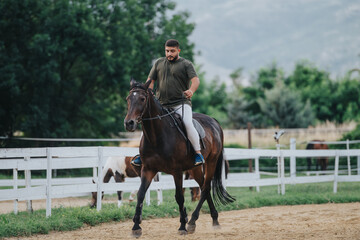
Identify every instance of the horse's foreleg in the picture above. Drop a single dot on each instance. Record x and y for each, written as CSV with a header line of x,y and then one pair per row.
x,y
179,196
146,177
317,164
309,164
119,193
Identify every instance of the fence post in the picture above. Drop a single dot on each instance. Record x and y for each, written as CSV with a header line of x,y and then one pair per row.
x,y
100,178
348,157
15,177
159,191
277,136
282,173
257,172
358,165
336,171
293,159
147,197
48,181
28,185
278,168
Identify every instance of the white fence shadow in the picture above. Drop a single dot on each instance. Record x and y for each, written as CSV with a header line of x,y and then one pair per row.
x,y
29,159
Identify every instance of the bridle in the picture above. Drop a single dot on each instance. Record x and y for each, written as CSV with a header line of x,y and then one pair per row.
x,y
140,119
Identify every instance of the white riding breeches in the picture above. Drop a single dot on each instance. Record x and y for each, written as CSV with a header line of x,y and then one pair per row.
x,y
190,129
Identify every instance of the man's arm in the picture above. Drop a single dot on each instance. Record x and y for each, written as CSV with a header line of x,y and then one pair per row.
x,y
151,86
195,82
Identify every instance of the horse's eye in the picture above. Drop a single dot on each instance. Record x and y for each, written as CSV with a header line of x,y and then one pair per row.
x,y
143,99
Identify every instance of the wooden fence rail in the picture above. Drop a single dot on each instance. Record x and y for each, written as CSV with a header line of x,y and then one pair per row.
x,y
48,159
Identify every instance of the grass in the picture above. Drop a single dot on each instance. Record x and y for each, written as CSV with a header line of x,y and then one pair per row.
x,y
67,219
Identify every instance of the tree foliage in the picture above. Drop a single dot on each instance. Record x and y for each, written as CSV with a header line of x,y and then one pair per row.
x,y
283,107
65,65
211,98
297,100
314,85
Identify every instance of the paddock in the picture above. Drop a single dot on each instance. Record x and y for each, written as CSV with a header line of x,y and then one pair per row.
x,y
324,221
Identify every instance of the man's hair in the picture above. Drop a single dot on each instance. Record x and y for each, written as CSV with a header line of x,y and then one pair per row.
x,y
172,43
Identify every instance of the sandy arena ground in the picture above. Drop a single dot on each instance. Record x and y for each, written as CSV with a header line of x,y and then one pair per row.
x,y
325,221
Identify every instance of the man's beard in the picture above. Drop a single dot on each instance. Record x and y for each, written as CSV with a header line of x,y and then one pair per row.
x,y
174,59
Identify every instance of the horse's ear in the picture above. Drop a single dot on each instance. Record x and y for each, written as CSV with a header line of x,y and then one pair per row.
x,y
132,82
147,84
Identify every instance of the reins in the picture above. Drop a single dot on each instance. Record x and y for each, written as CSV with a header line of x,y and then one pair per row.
x,y
159,117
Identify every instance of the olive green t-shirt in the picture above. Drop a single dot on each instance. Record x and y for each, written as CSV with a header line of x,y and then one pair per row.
x,y
172,78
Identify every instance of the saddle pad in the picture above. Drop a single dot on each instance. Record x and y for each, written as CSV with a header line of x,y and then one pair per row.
x,y
199,128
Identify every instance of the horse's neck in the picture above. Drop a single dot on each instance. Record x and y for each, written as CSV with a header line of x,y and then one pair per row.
x,y
154,129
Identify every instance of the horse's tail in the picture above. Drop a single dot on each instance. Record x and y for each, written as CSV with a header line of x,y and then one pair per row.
x,y
220,195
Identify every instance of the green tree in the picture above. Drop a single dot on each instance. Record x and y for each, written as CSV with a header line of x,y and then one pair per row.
x,y
239,114
316,86
211,98
65,65
284,108
346,103
353,135
244,106
236,77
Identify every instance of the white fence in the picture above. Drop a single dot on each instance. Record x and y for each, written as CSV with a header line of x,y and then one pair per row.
x,y
28,159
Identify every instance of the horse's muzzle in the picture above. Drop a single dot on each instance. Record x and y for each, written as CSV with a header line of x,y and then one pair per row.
x,y
130,125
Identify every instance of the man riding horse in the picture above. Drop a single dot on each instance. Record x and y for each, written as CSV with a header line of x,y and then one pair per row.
x,y
173,75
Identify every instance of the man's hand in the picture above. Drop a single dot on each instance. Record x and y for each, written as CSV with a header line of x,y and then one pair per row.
x,y
188,93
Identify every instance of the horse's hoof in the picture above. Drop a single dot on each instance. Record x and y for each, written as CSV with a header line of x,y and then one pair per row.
x,y
182,232
137,233
191,228
216,226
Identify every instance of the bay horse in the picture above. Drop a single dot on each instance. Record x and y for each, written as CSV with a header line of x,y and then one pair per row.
x,y
119,168
163,148
320,161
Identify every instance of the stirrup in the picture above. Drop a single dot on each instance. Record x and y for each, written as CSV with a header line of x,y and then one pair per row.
x,y
199,159
134,163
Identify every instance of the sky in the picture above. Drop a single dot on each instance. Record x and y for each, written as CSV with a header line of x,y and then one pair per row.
x,y
253,34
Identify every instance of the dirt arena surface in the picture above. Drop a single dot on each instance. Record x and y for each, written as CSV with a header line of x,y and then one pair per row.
x,y
325,221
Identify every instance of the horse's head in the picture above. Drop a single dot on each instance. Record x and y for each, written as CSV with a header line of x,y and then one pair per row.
x,y
137,101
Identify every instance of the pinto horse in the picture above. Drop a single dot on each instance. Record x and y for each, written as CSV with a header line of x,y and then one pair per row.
x,y
119,168
163,148
322,161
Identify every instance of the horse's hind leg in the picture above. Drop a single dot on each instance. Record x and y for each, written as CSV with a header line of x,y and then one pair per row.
x,y
107,174
179,195
213,212
119,178
195,215
205,192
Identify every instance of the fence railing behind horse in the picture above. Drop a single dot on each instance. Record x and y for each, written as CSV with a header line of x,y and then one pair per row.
x,y
94,157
